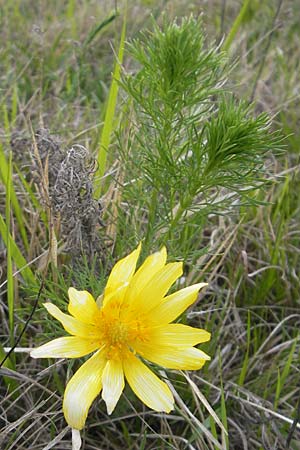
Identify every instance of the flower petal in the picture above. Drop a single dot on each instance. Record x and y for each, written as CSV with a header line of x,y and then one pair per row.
x,y
146,385
113,383
82,389
180,358
121,274
146,272
83,306
70,324
175,304
156,288
65,347
177,335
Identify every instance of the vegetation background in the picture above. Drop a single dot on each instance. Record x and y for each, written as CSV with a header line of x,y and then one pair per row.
x,y
58,112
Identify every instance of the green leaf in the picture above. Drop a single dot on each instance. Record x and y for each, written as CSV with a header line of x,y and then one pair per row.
x,y
16,254
93,33
14,199
109,116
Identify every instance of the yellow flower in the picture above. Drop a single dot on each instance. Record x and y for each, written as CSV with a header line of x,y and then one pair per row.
x,y
133,322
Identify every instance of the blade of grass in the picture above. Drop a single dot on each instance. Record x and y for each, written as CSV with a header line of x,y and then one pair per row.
x,y
16,254
225,439
93,33
35,203
213,428
5,119
236,25
204,401
10,280
283,375
10,363
14,200
11,383
246,359
281,212
71,17
14,104
109,115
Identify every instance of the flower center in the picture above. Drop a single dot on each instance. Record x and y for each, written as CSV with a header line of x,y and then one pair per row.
x,y
116,333
118,336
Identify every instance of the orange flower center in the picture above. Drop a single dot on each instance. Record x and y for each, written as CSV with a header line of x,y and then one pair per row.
x,y
118,335
115,333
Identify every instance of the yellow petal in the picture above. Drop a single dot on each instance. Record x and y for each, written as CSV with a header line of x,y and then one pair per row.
x,y
177,335
121,274
113,383
70,324
146,385
146,272
180,358
82,389
83,306
175,304
156,288
113,301
65,347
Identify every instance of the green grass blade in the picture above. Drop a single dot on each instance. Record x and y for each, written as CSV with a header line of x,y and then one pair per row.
x,y
236,25
278,389
16,254
246,359
71,16
96,30
213,428
14,200
5,118
10,280
284,374
225,439
14,105
34,201
109,115
10,382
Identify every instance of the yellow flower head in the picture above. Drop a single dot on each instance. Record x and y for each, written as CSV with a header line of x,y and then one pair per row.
x,y
133,322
